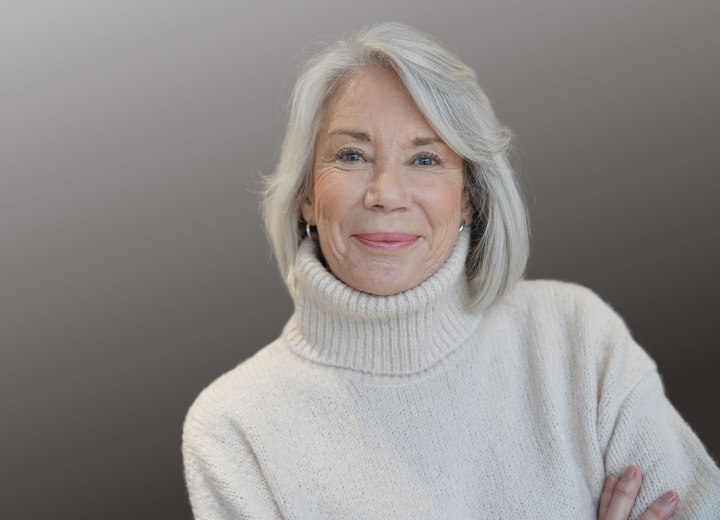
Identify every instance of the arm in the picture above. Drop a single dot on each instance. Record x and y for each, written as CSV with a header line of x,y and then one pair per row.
x,y
638,425
223,476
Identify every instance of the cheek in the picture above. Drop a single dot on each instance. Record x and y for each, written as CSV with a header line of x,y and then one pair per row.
x,y
335,197
443,203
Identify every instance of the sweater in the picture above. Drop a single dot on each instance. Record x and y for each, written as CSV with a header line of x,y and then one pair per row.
x,y
416,406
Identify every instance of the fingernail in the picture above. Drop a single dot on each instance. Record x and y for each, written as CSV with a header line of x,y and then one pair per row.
x,y
670,497
630,473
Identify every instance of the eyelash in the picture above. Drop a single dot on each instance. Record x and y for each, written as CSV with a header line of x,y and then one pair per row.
x,y
348,151
352,151
428,155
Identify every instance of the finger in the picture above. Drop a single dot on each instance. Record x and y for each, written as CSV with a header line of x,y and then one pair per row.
x,y
662,508
606,495
624,494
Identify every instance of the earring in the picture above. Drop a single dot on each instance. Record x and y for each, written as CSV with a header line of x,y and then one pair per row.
x,y
307,230
462,226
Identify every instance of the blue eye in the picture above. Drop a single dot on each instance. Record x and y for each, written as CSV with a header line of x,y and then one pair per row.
x,y
351,157
428,160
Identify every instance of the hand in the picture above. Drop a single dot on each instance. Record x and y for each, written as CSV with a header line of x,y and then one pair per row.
x,y
618,497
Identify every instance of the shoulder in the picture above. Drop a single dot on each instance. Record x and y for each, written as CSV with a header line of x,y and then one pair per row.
x,y
576,319
566,304
565,307
222,405
561,295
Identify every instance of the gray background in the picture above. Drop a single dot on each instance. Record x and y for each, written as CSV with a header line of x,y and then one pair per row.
x,y
133,266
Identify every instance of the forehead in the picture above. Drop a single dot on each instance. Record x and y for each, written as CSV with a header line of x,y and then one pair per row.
x,y
375,100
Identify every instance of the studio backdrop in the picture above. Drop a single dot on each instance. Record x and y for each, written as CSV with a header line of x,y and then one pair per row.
x,y
133,264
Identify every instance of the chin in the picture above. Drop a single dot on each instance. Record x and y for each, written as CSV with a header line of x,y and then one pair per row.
x,y
384,285
382,291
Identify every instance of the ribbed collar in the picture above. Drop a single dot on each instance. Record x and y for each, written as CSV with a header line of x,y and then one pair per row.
x,y
336,325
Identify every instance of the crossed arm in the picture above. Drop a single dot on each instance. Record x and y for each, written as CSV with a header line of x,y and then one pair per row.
x,y
618,498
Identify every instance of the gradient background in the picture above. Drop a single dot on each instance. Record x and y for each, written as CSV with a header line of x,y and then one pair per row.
x,y
133,265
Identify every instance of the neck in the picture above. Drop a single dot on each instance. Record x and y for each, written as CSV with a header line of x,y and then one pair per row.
x,y
404,333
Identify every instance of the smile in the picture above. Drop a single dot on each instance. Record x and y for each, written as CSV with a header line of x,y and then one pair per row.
x,y
387,241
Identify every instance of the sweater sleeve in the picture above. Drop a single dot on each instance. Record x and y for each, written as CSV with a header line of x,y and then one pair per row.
x,y
638,425
222,473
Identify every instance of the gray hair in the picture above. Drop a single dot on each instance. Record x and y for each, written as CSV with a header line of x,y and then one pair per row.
x,y
447,92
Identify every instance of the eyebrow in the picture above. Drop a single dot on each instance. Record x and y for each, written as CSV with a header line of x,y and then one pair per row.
x,y
365,137
421,141
360,136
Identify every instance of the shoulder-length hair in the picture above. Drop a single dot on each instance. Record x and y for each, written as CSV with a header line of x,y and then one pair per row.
x,y
447,92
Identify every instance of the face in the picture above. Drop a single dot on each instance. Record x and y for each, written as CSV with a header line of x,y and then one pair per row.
x,y
387,194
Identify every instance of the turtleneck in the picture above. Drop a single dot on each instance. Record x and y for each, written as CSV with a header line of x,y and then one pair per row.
x,y
401,334
546,387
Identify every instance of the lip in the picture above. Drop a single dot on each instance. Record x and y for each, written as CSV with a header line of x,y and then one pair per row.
x,y
387,241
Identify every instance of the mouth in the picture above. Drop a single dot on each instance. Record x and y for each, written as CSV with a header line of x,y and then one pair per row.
x,y
387,241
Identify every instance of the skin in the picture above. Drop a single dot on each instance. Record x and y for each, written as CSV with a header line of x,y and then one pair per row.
x,y
380,167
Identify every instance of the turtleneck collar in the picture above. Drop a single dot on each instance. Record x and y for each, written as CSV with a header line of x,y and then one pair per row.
x,y
401,334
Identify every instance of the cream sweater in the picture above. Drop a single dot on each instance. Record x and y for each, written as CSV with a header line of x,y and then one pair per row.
x,y
413,407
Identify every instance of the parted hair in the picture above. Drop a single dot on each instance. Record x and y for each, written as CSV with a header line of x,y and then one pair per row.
x,y
447,93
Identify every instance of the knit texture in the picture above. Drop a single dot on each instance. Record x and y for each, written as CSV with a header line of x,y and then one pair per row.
x,y
413,406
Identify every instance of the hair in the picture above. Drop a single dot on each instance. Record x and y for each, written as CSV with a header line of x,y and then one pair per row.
x,y
447,92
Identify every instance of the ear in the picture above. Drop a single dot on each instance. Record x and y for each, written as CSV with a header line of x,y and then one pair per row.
x,y
308,211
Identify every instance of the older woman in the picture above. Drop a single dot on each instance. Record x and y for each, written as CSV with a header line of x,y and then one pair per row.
x,y
420,376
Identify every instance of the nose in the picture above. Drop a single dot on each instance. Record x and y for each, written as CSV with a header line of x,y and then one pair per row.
x,y
388,190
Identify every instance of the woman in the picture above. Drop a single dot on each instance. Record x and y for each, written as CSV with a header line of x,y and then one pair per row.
x,y
420,376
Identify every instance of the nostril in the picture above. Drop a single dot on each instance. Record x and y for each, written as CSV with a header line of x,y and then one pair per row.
x,y
388,194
